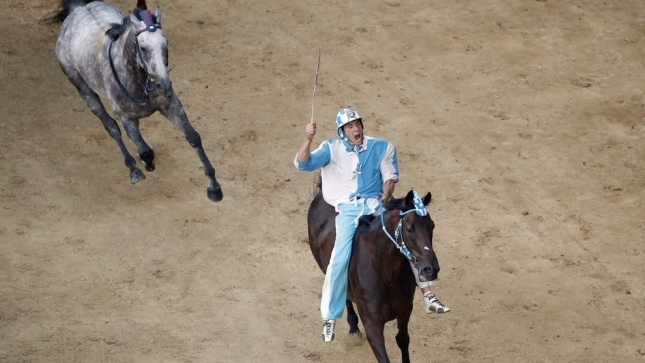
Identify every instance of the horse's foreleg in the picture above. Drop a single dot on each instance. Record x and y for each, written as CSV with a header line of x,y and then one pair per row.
x,y
403,337
176,114
94,103
146,154
374,332
352,319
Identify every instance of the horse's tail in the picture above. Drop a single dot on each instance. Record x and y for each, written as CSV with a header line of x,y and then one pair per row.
x,y
317,186
66,7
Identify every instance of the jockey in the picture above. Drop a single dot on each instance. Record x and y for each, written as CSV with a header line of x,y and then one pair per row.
x,y
356,171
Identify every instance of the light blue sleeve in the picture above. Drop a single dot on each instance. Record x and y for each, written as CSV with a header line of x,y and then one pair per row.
x,y
317,159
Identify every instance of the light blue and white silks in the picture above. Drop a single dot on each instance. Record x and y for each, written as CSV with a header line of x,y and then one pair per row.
x,y
348,173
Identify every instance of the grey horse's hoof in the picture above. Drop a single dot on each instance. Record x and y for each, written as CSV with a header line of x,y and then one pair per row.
x,y
214,192
147,158
136,176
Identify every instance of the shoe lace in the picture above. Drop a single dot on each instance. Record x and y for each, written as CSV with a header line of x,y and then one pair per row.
x,y
327,324
433,299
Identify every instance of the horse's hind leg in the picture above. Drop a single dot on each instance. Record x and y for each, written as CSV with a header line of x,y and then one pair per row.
x,y
176,114
403,337
94,103
355,334
146,154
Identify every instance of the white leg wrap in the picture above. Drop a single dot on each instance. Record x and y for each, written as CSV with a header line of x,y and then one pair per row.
x,y
421,285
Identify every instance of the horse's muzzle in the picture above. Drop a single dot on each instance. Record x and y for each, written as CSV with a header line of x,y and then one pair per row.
x,y
428,273
164,88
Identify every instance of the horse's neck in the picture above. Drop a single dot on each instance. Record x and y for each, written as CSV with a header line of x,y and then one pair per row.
x,y
383,247
128,65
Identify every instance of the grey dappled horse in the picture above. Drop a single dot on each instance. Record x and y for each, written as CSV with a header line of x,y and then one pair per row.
x,y
124,60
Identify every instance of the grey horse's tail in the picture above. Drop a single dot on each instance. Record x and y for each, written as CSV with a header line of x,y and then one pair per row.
x,y
64,10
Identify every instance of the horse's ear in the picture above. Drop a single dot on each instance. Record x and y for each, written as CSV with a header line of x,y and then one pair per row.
x,y
158,16
427,199
141,4
409,199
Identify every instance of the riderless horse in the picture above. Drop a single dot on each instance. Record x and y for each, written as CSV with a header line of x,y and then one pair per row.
x,y
124,60
381,282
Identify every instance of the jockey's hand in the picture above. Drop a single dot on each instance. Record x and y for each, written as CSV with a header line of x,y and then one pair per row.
x,y
310,131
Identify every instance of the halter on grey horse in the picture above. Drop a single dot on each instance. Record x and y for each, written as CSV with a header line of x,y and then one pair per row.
x,y
124,61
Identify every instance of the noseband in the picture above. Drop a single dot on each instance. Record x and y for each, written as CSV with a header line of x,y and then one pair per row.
x,y
150,27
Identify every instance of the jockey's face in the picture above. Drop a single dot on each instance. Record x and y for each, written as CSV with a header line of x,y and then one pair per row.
x,y
354,131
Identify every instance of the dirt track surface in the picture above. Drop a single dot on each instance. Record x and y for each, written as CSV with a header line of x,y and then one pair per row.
x,y
525,120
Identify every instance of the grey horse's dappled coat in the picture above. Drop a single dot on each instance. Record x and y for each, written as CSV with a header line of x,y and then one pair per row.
x,y
124,59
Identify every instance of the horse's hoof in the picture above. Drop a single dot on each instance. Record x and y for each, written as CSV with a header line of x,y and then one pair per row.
x,y
147,158
356,339
215,195
136,176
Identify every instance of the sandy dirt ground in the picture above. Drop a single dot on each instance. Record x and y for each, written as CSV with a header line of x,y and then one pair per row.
x,y
525,119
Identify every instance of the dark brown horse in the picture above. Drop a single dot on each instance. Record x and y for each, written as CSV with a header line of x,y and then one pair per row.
x,y
381,282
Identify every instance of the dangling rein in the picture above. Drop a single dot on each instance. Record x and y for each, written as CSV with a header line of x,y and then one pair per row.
x,y
151,27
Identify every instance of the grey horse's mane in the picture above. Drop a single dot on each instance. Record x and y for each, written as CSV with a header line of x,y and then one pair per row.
x,y
116,30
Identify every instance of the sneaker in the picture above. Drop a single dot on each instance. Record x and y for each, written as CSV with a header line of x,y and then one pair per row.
x,y
328,330
433,305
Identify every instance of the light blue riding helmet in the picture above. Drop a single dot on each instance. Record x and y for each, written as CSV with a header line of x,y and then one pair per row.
x,y
345,116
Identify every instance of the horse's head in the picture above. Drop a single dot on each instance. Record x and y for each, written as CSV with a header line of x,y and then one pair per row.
x,y
416,229
152,48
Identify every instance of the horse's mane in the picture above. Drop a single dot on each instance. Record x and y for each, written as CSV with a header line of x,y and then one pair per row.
x,y
116,30
397,203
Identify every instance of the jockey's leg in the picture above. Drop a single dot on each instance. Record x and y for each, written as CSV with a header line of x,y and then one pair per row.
x,y
334,291
432,304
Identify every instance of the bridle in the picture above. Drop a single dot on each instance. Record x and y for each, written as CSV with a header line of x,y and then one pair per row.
x,y
150,27
401,247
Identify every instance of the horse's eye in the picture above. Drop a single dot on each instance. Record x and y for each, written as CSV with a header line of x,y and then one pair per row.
x,y
409,228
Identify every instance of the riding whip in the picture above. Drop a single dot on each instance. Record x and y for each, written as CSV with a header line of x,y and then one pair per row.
x,y
313,102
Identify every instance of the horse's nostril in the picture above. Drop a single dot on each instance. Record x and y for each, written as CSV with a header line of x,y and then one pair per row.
x,y
427,271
